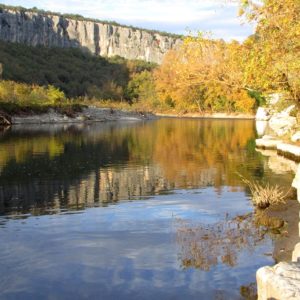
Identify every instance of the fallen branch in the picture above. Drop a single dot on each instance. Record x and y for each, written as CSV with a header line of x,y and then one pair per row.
x,y
5,119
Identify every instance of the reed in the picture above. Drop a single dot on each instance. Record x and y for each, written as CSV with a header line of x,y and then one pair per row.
x,y
264,195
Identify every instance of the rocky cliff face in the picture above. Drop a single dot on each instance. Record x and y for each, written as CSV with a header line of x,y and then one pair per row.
x,y
33,28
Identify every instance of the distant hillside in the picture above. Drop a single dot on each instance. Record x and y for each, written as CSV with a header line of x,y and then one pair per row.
x,y
74,72
35,27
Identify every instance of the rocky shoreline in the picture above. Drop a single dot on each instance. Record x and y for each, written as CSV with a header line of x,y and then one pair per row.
x,y
281,135
95,114
88,114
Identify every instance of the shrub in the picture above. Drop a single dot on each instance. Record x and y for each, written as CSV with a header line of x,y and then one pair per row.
x,y
16,97
259,98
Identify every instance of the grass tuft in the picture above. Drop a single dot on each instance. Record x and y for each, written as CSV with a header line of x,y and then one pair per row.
x,y
265,195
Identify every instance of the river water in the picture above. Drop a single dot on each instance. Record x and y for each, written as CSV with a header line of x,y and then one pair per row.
x,y
152,210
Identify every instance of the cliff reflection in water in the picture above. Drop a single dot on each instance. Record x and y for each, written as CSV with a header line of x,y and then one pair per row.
x,y
78,166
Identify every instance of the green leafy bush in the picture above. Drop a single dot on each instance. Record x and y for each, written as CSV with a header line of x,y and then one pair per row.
x,y
258,96
21,97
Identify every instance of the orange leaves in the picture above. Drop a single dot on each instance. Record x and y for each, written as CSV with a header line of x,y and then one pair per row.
x,y
204,75
211,75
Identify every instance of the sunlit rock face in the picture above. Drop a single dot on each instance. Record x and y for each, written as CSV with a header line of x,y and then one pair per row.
x,y
279,282
282,281
296,137
32,28
261,127
283,123
296,253
262,114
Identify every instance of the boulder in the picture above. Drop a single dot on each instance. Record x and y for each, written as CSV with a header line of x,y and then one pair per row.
x,y
296,183
268,137
282,124
287,112
266,143
261,127
281,165
280,282
274,98
262,114
296,253
296,137
289,151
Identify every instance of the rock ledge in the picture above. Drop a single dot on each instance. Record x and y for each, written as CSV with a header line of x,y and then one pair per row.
x,y
280,282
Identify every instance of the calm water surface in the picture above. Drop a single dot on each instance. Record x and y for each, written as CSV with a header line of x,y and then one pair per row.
x,y
151,210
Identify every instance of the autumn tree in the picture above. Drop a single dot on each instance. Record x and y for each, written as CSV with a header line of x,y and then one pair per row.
x,y
274,50
205,74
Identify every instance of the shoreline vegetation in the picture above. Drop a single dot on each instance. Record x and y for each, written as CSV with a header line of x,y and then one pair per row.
x,y
203,77
22,103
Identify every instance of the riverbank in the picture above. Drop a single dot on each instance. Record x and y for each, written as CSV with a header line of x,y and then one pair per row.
x,y
208,115
86,114
281,136
282,281
98,114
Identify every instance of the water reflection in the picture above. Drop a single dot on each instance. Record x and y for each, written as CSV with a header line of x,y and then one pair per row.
x,y
65,233
205,246
81,166
128,251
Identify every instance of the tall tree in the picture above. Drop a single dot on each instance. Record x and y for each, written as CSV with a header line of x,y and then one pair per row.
x,y
274,49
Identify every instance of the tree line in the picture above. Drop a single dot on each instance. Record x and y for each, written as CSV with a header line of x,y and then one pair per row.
x,y
212,75
203,75
74,72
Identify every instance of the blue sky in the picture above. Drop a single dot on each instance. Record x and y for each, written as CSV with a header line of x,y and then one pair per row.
x,y
217,16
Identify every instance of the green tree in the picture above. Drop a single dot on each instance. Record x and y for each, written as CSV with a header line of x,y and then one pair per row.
x,y
142,88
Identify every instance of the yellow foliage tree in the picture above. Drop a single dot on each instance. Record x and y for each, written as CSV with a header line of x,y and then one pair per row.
x,y
273,52
205,74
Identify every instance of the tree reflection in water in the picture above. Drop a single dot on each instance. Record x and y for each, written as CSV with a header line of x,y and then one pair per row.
x,y
204,246
52,168
85,165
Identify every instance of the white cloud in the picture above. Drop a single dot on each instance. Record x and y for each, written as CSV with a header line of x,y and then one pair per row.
x,y
169,15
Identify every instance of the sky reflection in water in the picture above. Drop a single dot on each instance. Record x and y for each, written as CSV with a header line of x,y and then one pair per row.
x,y
68,230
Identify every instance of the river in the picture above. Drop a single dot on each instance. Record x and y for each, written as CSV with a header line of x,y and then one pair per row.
x,y
132,210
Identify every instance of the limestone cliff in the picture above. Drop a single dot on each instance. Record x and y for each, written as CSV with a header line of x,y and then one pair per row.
x,y
50,30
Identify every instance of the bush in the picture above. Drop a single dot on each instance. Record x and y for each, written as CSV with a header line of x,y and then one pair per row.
x,y
16,97
260,100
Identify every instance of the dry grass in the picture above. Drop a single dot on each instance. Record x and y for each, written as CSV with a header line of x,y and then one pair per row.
x,y
264,195
204,246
